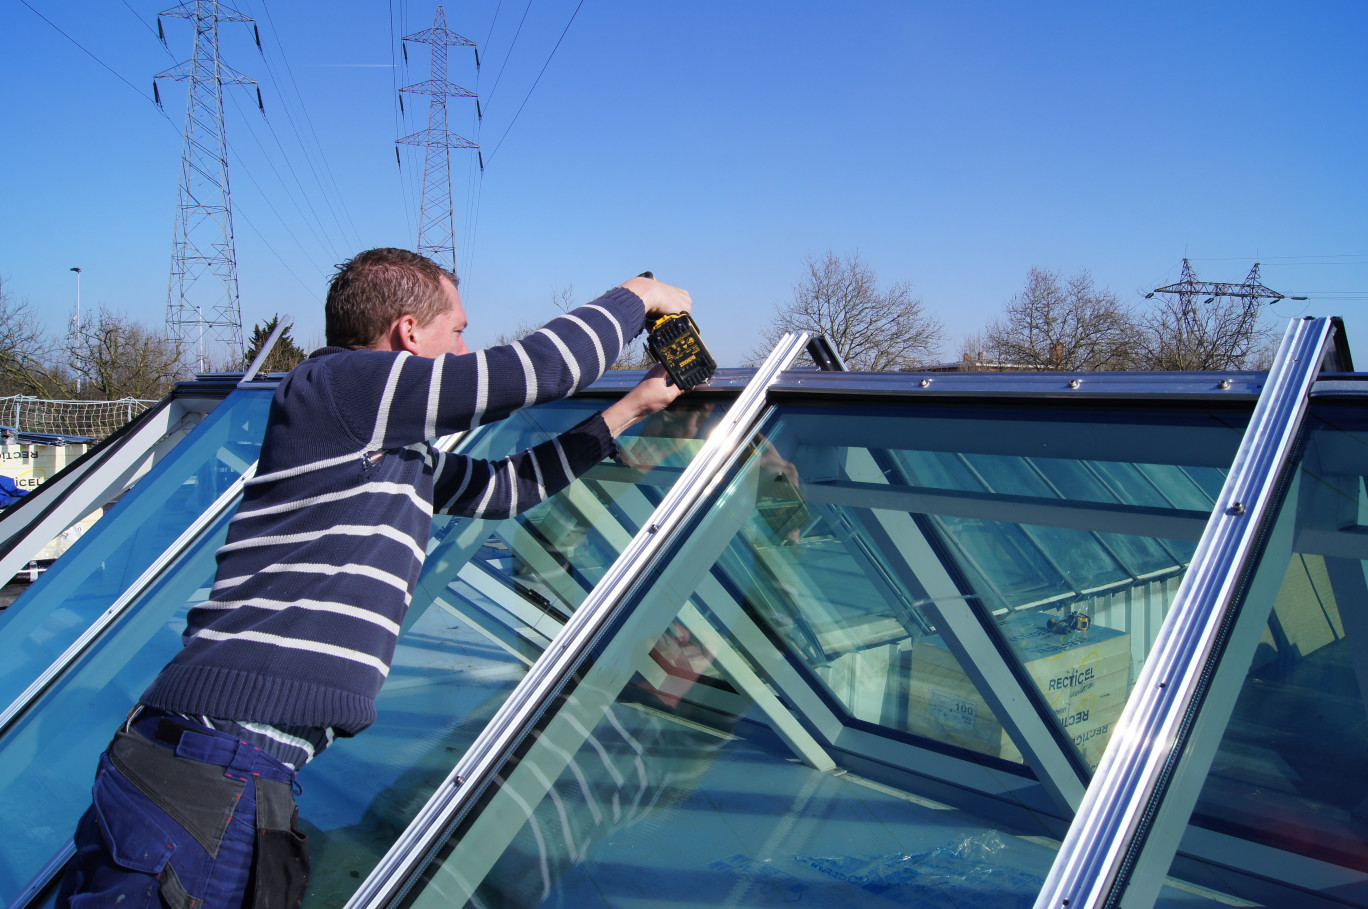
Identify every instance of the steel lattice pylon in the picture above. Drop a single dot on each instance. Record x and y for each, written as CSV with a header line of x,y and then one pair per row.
x,y
436,220
1252,290
1218,332
202,303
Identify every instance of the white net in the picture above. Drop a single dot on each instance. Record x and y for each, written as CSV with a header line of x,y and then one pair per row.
x,y
95,419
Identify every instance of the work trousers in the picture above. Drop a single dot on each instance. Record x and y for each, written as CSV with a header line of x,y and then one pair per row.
x,y
187,817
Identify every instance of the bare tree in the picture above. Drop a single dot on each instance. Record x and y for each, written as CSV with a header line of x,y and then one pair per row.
x,y
26,351
564,298
116,357
1055,323
634,355
871,329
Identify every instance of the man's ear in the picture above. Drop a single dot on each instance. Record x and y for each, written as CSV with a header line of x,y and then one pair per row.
x,y
404,334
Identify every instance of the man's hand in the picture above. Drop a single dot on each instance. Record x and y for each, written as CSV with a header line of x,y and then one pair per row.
x,y
660,298
652,394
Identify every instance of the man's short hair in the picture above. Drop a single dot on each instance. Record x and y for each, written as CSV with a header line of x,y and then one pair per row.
x,y
374,288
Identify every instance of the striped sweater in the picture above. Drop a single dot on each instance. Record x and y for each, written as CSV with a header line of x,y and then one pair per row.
x,y
323,554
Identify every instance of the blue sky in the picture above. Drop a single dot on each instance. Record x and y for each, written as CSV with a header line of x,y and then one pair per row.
x,y
953,145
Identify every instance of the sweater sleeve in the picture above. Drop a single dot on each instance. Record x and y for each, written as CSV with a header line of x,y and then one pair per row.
x,y
420,398
497,489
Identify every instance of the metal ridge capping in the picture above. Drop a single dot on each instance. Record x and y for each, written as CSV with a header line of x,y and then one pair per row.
x,y
411,850
1119,803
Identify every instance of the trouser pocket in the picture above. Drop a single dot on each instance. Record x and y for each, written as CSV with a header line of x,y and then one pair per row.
x,y
121,848
198,801
197,796
281,866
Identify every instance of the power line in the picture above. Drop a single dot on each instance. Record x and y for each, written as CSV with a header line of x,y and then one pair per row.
x,y
317,145
1362,257
322,239
512,44
137,15
492,22
92,56
267,243
536,82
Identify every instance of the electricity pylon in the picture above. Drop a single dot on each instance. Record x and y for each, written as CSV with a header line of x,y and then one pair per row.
x,y
202,302
436,220
1252,291
1217,333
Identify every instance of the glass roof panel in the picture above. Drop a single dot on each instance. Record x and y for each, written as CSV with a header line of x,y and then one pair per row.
x,y
1026,539
1282,815
491,595
645,778
48,757
825,576
42,623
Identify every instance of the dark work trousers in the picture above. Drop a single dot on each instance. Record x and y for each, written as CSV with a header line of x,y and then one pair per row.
x,y
187,817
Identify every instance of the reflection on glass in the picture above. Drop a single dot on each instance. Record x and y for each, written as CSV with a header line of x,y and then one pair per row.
x,y
1291,770
1065,534
491,595
48,758
677,760
40,625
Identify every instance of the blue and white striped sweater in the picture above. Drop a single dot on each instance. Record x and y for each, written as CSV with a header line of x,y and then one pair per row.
x,y
326,547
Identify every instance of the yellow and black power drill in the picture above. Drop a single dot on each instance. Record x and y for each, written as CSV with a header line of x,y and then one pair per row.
x,y
674,342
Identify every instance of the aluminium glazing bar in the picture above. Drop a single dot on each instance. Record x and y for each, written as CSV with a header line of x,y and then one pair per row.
x,y
1118,810
504,730
265,351
45,876
135,590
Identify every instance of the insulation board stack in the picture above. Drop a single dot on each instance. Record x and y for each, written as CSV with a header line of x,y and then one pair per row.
x,y
1084,675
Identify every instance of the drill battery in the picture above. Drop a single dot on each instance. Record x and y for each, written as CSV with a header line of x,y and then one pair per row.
x,y
675,343
1074,621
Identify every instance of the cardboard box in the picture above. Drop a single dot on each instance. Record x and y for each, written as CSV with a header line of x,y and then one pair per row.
x,y
30,464
1084,676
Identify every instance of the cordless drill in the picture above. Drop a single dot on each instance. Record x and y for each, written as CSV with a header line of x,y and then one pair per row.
x,y
674,342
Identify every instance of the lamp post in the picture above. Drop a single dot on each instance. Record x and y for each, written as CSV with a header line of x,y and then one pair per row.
x,y
76,320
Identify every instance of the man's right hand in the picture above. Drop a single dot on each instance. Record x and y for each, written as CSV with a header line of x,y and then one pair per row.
x,y
661,299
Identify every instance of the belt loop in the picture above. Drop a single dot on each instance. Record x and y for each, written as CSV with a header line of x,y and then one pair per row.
x,y
132,715
244,758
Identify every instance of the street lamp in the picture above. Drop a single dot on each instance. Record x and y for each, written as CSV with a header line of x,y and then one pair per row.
x,y
78,295
76,320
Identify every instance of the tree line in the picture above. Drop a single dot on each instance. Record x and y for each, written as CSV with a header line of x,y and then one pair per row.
x,y
1055,322
104,355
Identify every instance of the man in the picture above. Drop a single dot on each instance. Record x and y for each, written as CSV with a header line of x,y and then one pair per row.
x,y
192,802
